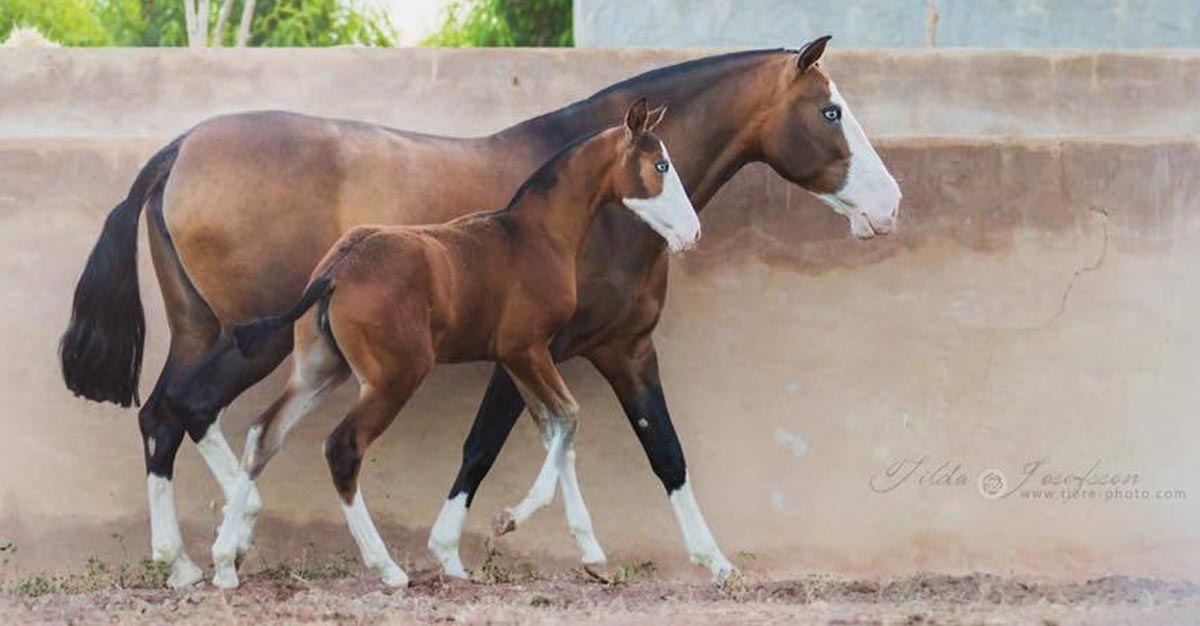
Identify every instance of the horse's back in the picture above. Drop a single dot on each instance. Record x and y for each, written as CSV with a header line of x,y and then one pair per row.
x,y
256,199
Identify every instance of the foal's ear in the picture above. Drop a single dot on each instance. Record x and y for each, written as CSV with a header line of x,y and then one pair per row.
x,y
635,118
811,53
656,118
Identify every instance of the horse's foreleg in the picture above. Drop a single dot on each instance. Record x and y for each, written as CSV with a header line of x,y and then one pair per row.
x,y
632,371
502,405
554,410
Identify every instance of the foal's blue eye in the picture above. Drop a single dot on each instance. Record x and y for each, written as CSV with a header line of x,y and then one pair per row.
x,y
832,113
662,167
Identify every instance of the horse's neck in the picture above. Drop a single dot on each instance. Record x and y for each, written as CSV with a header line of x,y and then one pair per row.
x,y
707,129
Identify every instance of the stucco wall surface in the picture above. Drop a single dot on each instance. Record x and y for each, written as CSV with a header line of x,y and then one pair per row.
x,y
838,400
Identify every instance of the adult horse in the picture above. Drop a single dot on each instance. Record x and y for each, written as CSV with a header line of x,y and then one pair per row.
x,y
391,301
255,195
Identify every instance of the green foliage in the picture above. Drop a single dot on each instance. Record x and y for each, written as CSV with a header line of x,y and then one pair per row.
x,y
310,23
68,22
493,23
298,23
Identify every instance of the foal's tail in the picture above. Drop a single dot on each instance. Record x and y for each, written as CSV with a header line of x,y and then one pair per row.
x,y
252,336
101,350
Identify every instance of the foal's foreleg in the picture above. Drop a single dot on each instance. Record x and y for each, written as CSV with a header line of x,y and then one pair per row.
x,y
554,410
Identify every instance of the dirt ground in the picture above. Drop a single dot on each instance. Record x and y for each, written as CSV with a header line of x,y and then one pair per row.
x,y
644,598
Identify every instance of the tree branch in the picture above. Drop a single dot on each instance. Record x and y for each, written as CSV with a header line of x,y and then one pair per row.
x,y
222,22
189,20
244,25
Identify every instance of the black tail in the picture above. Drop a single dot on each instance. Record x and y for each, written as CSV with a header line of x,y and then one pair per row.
x,y
252,336
101,351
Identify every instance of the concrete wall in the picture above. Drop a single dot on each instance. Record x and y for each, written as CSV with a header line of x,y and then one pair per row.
x,y
889,23
1038,305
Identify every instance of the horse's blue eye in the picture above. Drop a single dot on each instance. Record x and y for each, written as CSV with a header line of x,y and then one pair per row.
x,y
662,167
832,112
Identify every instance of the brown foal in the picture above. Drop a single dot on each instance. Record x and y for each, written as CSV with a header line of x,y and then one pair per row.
x,y
391,301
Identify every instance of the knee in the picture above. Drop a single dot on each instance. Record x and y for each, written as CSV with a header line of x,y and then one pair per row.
x,y
344,459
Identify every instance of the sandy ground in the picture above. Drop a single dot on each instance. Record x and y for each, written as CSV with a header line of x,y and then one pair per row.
x,y
574,598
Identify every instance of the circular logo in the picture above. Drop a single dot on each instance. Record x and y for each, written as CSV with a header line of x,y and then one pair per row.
x,y
992,484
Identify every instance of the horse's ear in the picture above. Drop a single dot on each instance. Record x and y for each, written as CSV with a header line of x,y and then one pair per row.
x,y
656,118
635,118
811,53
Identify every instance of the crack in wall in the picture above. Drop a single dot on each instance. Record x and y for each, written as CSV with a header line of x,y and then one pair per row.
x,y
1080,271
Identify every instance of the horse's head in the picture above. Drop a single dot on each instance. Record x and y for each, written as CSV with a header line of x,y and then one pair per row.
x,y
647,183
811,138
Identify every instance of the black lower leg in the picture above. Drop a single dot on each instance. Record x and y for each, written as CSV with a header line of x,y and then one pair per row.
x,y
161,435
344,458
200,394
502,405
647,413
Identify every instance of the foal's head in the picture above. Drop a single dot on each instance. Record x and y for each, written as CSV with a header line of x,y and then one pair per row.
x,y
647,183
812,139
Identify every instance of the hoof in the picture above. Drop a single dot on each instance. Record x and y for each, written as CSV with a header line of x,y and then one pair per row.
x,y
598,572
394,577
184,574
729,579
503,523
455,570
225,577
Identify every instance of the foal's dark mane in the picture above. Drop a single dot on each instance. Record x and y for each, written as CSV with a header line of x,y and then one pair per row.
x,y
547,173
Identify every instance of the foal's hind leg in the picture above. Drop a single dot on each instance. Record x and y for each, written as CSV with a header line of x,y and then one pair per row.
x,y
554,410
317,369
380,399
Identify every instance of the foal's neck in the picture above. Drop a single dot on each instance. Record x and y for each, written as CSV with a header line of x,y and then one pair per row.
x,y
558,204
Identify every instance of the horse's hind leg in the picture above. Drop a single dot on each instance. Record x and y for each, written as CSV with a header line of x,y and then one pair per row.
x,y
554,410
162,432
205,390
380,399
193,331
318,369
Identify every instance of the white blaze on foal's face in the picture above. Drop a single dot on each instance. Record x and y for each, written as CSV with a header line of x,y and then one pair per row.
x,y
869,197
670,212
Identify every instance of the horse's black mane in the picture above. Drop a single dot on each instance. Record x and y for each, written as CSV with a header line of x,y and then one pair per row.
x,y
681,68
562,125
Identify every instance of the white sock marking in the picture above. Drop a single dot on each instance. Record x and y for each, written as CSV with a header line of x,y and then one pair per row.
x,y
701,547
166,542
446,533
541,494
579,521
370,544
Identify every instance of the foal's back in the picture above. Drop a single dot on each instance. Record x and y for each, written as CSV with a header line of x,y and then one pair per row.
x,y
471,282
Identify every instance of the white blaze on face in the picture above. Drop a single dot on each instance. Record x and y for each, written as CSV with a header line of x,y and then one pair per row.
x,y
870,197
670,213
